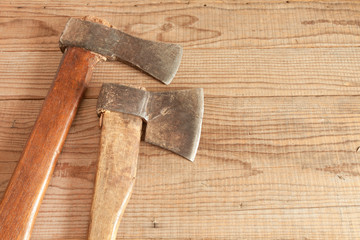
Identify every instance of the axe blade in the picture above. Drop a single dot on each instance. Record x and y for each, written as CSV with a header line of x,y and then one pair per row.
x,y
158,59
173,119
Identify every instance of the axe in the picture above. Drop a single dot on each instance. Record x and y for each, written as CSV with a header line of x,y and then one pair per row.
x,y
172,121
84,43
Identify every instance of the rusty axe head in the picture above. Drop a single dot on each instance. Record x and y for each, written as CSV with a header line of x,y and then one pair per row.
x,y
173,119
160,60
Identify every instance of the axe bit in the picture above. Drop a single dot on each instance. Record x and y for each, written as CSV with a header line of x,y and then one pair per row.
x,y
84,43
173,121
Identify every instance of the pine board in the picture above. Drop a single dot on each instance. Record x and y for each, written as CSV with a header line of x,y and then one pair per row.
x,y
222,72
277,164
278,156
35,25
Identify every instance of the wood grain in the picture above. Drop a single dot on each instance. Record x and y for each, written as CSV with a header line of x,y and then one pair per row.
x,y
36,25
278,157
26,189
231,73
278,163
115,174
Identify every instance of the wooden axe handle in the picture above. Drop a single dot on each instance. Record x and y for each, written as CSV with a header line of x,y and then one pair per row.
x,y
115,177
31,177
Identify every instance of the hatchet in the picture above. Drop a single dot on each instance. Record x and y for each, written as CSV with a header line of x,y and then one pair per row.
x,y
172,121
84,43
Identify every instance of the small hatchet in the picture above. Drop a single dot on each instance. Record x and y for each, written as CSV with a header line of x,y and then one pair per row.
x,y
172,121
84,43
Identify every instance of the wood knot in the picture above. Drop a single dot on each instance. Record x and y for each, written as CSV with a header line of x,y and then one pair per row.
x,y
167,27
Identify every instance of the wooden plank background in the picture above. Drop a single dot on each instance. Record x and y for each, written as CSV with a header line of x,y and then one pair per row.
x,y
278,156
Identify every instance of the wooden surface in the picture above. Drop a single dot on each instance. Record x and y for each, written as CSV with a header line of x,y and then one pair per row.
x,y
116,173
278,157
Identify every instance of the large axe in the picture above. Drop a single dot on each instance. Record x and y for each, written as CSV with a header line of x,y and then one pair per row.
x,y
172,121
84,43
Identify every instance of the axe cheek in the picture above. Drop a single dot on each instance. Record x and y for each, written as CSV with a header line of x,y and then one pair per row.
x,y
173,119
158,59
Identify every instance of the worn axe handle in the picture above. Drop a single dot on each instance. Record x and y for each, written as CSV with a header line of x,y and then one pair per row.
x,y
116,172
31,177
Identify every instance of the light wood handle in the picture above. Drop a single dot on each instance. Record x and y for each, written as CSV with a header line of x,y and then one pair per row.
x,y
115,177
31,177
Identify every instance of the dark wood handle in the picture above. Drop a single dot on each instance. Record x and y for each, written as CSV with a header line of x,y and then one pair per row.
x,y
115,177
31,177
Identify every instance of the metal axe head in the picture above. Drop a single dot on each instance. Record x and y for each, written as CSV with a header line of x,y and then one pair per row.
x,y
173,119
160,60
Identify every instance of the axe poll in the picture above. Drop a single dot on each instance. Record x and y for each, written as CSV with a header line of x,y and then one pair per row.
x,y
84,42
172,121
